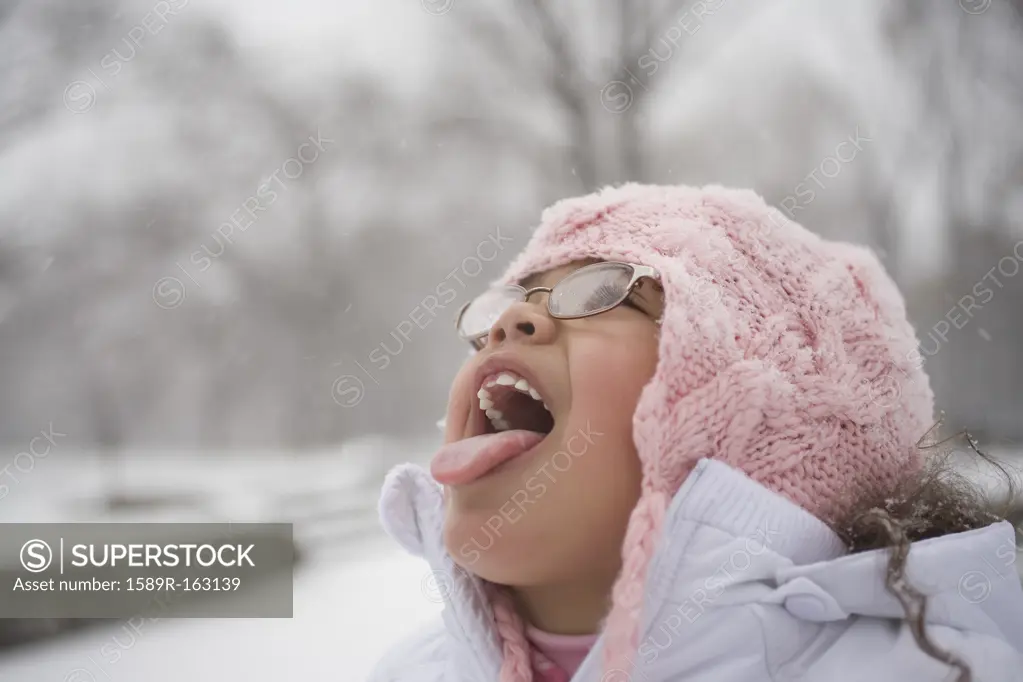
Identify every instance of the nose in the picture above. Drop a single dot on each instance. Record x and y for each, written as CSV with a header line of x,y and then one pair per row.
x,y
523,322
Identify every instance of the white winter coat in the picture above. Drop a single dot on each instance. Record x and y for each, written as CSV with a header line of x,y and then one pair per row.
x,y
744,587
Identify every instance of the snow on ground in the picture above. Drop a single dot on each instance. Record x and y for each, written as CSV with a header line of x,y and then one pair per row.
x,y
346,616
355,593
235,485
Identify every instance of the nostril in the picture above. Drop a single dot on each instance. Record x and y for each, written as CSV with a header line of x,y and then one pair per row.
x,y
526,328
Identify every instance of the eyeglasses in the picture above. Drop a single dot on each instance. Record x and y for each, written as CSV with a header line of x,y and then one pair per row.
x,y
590,290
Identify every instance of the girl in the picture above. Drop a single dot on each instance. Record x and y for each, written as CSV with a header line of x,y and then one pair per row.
x,y
688,446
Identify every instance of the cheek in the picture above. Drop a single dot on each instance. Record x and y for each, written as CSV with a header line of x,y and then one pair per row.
x,y
607,380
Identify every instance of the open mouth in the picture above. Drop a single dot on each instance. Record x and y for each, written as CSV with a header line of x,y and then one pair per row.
x,y
507,402
508,419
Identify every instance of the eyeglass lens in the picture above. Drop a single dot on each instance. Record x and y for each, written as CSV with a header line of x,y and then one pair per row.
x,y
586,291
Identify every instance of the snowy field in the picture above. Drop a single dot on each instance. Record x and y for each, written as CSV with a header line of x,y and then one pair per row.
x,y
345,617
354,593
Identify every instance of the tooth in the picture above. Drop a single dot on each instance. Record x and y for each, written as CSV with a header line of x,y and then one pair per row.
x,y
494,414
506,380
492,382
522,385
483,394
534,394
503,425
486,404
546,408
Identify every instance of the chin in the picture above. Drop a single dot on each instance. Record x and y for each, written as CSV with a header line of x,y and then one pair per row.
x,y
499,552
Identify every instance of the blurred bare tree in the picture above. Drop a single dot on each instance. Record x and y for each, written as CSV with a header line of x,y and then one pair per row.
x,y
966,144
543,53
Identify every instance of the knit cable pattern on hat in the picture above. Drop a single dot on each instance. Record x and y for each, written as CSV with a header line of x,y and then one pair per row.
x,y
787,356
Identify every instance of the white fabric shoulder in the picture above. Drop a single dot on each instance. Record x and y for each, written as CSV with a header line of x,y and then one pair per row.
x,y
420,657
767,593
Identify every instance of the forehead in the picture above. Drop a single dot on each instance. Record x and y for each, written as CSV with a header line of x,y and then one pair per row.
x,y
549,278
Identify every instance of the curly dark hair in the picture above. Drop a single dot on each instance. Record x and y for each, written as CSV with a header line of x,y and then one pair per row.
x,y
938,501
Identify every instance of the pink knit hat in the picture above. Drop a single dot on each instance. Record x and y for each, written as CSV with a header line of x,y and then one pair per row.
x,y
784,355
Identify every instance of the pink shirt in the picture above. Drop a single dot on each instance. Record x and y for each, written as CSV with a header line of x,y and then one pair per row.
x,y
557,657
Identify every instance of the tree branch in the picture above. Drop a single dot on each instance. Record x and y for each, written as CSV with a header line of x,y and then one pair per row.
x,y
561,80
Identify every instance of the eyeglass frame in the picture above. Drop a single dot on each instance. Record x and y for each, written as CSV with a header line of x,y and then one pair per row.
x,y
639,273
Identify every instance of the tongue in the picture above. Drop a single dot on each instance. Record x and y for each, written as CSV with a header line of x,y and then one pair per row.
x,y
464,461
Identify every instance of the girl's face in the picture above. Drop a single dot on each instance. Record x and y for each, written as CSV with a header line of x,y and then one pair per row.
x,y
557,513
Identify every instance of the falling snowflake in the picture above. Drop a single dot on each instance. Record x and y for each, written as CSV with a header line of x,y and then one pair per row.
x,y
983,333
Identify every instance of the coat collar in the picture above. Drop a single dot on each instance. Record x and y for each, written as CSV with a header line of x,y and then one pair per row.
x,y
412,512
